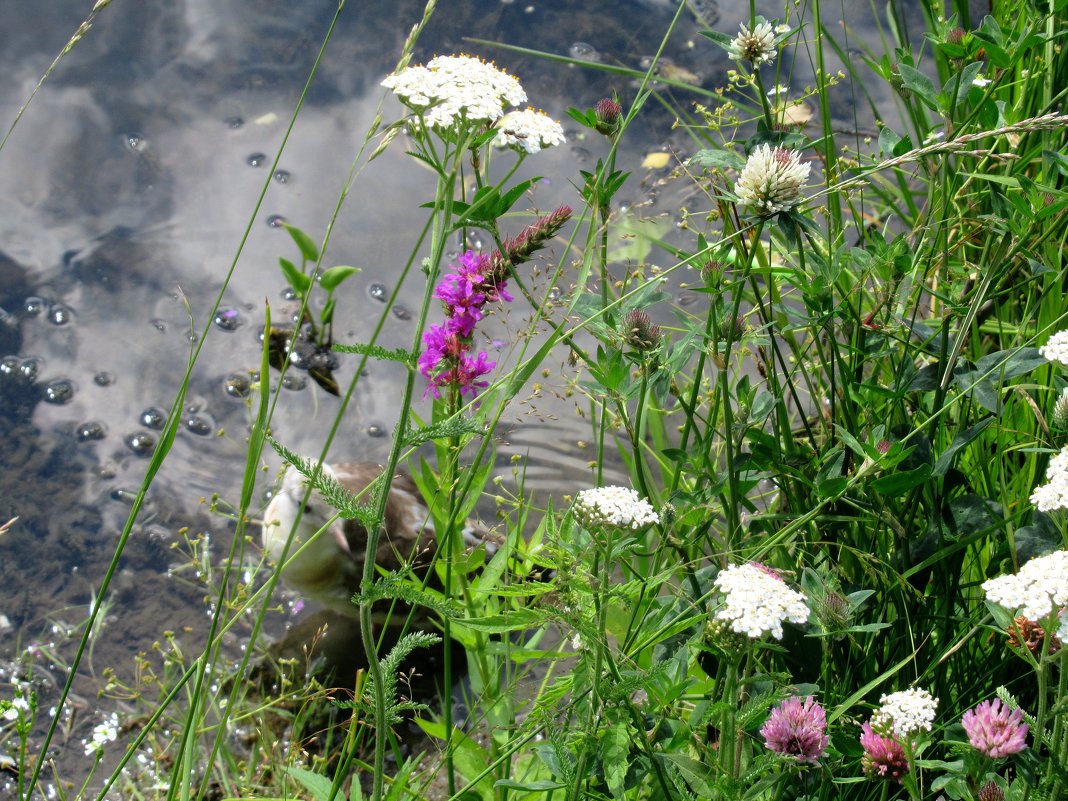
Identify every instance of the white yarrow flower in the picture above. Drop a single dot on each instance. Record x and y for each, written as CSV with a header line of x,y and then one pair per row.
x,y
905,713
453,90
528,131
756,602
755,45
1037,590
1054,493
772,179
614,506
1056,349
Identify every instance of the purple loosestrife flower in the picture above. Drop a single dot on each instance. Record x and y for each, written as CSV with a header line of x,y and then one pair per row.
x,y
995,730
884,757
797,729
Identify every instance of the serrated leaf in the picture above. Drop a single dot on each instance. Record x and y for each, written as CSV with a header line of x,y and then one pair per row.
x,y
615,752
332,278
304,243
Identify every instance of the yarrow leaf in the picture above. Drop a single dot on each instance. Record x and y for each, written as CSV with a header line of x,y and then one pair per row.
x,y
377,352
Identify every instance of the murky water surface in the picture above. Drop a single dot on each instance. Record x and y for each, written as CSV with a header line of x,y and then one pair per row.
x,y
125,192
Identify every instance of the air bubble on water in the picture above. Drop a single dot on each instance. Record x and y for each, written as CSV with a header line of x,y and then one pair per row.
x,y
282,176
158,324
237,385
324,361
59,391
554,293
134,141
294,382
584,52
229,319
33,305
687,299
528,10
376,430
623,207
402,313
192,337
104,379
29,369
378,292
255,159
235,122
123,496
276,221
90,431
141,443
199,425
60,314
153,417
288,293
9,366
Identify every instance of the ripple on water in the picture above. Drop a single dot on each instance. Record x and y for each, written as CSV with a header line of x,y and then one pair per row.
x,y
402,312
584,52
141,443
90,431
104,379
294,382
234,123
60,391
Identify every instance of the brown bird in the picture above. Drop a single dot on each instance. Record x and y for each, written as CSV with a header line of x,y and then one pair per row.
x,y
329,570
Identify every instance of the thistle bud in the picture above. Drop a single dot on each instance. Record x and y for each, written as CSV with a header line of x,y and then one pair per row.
x,y
640,332
991,792
609,116
955,36
712,272
1060,411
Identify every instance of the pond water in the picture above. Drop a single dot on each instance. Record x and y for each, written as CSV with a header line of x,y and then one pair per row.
x,y
125,191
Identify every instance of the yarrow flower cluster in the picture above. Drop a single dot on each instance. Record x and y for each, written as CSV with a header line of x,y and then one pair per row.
x,y
755,45
906,713
994,730
755,601
771,180
463,292
528,131
1039,589
614,506
884,757
452,90
1056,349
797,728
1054,493
103,733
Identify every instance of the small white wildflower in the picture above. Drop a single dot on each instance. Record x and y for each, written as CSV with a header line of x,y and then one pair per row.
x,y
452,90
103,733
1054,493
980,81
772,179
933,137
614,506
755,45
756,602
1039,587
905,713
782,28
1056,348
528,131
778,90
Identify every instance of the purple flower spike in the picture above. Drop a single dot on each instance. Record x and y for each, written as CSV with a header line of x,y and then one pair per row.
x,y
797,729
995,730
884,757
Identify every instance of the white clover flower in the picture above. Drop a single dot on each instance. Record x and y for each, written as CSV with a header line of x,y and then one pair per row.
x,y
103,733
614,506
1039,587
453,90
1054,493
755,45
1056,349
772,179
905,713
528,131
756,601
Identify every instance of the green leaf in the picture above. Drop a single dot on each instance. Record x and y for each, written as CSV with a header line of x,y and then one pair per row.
x,y
615,752
901,482
318,786
298,280
959,85
332,278
327,314
964,438
919,84
515,620
717,159
1011,363
530,787
304,243
694,773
